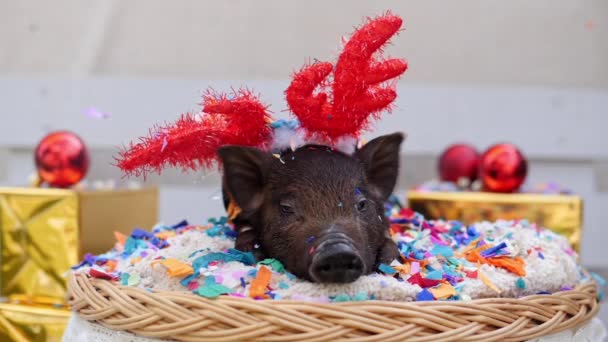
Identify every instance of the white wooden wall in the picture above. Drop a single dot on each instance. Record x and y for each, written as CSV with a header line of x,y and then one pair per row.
x,y
560,130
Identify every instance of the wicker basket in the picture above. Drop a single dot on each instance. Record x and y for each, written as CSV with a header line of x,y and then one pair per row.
x,y
186,317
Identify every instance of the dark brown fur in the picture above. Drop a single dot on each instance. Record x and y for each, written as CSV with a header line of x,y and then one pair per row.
x,y
314,194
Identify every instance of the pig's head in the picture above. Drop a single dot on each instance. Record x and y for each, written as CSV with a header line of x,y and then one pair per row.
x,y
318,211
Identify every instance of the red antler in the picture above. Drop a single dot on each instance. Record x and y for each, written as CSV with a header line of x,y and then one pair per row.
x,y
358,90
192,141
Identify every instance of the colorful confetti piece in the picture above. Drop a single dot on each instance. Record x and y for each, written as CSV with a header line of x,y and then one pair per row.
x,y
386,269
260,283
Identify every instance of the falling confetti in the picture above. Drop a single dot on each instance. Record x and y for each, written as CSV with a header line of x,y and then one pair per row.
x,y
95,113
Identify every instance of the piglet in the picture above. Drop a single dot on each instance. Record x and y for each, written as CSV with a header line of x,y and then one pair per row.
x,y
317,210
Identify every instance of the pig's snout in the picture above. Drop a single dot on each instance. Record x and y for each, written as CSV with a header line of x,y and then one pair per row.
x,y
336,260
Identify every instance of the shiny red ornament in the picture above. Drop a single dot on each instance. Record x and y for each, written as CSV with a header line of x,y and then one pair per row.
x,y
62,159
503,168
459,161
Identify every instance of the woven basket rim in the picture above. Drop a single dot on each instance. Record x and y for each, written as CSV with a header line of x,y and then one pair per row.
x,y
184,316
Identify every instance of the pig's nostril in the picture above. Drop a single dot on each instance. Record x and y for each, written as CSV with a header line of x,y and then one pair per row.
x,y
337,263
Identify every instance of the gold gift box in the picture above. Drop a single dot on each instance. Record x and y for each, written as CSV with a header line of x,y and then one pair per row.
x,y
21,323
43,232
562,214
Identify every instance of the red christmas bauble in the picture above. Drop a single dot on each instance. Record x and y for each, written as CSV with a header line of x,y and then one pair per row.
x,y
61,159
503,168
459,161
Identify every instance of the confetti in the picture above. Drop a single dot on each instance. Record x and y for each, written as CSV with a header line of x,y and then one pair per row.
x,y
135,260
471,274
124,278
514,265
443,291
445,251
246,258
165,235
252,273
176,268
492,251
141,234
341,298
130,246
424,295
258,286
435,275
488,283
417,279
540,255
602,285
274,264
193,285
95,113
100,274
212,290
110,265
361,296
232,255
414,267
441,257
134,279
386,269
189,279
120,238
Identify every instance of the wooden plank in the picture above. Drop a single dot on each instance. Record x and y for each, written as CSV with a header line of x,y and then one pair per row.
x,y
544,122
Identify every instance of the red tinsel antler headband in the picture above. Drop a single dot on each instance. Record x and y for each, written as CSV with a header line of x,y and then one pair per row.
x,y
193,140
350,94
358,84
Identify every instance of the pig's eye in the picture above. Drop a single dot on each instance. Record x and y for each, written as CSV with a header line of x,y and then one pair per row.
x,y
362,205
286,208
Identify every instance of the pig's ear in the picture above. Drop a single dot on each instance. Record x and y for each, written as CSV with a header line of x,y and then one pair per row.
x,y
381,160
245,169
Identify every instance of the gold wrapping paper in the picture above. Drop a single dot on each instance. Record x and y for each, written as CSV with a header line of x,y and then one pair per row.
x,y
38,240
43,232
561,213
20,323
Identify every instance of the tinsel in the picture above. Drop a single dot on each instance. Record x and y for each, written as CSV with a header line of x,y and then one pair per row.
x,y
359,90
333,105
192,141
